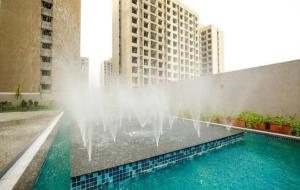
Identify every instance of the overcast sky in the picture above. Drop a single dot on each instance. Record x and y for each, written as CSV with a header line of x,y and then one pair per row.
x,y
256,32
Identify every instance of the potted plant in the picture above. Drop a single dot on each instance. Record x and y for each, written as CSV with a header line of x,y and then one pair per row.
x,y
295,124
255,121
239,120
279,124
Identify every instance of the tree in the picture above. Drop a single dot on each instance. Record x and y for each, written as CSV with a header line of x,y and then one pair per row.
x,y
18,93
41,94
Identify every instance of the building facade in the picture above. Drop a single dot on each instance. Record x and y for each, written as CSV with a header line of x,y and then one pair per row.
x,y
212,50
37,47
155,41
106,73
84,67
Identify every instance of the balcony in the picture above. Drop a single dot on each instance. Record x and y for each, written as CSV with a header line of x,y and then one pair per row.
x,y
47,12
46,25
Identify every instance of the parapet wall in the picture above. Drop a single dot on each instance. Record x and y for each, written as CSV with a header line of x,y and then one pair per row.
x,y
272,89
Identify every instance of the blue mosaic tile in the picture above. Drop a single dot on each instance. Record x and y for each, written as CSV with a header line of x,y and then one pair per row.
x,y
108,177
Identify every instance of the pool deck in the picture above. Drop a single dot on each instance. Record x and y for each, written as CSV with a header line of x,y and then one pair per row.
x,y
134,143
18,131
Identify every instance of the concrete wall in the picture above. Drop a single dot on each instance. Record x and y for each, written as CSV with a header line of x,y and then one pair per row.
x,y
272,89
20,45
20,35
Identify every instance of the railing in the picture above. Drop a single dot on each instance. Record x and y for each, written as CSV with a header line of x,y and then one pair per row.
x,y
47,25
46,11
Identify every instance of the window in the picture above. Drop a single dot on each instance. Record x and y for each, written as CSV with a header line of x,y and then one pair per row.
x,y
46,86
46,18
146,61
46,45
134,39
160,47
134,60
146,15
159,5
134,69
160,22
159,13
134,49
46,73
160,64
145,6
146,43
46,59
134,30
134,2
146,52
134,20
160,56
46,5
134,10
145,25
46,32
146,34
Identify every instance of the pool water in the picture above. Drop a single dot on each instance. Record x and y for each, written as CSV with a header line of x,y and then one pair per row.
x,y
257,162
55,173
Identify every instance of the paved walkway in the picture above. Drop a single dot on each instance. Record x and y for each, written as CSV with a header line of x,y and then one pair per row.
x,y
17,131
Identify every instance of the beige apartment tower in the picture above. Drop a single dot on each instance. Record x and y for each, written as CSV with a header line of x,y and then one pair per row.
x,y
106,73
212,50
40,42
155,41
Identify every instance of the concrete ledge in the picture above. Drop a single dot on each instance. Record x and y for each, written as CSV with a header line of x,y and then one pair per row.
x,y
247,129
12,176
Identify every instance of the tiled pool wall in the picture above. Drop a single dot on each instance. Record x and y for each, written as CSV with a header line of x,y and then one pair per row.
x,y
284,138
108,177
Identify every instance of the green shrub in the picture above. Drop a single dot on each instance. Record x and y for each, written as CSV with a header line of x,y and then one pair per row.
x,y
251,118
295,124
23,104
36,103
277,120
30,103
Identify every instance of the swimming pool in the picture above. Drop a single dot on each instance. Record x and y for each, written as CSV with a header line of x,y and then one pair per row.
x,y
257,162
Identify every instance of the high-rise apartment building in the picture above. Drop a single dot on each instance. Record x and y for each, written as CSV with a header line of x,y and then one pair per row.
x,y
106,73
155,41
212,50
37,47
84,67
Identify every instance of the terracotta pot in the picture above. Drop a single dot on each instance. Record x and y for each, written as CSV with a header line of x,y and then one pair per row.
x,y
286,129
260,126
238,123
275,128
